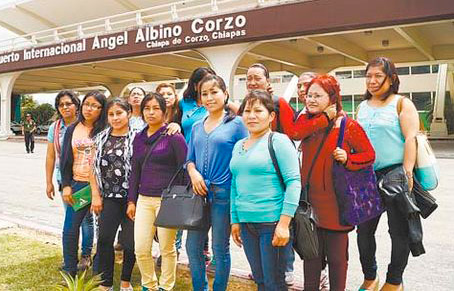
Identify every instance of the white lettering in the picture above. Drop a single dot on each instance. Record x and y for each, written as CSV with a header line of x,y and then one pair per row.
x,y
61,49
110,42
139,36
194,24
229,23
240,21
9,58
220,24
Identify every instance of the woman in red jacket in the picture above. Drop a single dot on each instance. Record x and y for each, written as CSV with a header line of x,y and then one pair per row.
x,y
323,117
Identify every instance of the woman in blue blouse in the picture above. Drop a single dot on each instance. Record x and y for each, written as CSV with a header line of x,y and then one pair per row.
x,y
209,153
261,206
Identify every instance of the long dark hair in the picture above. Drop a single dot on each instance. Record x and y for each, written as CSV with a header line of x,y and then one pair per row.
x,y
219,82
71,95
390,71
197,75
175,109
100,123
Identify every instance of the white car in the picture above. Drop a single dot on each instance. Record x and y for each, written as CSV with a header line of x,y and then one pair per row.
x,y
16,127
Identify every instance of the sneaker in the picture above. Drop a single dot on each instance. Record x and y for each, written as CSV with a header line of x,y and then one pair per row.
x,y
289,278
84,263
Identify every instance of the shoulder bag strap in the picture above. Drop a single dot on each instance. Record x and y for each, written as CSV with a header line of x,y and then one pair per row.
x,y
147,156
273,158
57,136
399,104
340,138
316,156
180,170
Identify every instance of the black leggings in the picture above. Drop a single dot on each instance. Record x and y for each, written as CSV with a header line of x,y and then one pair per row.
x,y
400,249
112,215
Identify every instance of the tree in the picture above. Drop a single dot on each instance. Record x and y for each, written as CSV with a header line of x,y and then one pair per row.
x,y
43,113
27,105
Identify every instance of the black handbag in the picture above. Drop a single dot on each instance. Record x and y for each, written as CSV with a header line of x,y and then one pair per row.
x,y
305,241
181,208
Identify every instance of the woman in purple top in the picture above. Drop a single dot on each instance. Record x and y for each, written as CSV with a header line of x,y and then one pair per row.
x,y
150,174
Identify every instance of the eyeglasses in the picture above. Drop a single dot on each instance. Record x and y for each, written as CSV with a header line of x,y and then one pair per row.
x,y
92,106
315,97
63,105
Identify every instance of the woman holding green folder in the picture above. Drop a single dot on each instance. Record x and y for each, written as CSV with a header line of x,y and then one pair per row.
x,y
75,164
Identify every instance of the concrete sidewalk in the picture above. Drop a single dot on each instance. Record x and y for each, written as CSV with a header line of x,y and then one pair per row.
x,y
24,202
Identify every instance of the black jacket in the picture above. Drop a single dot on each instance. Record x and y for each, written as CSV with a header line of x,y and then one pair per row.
x,y
67,157
393,186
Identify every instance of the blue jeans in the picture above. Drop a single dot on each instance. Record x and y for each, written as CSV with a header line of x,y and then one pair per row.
x,y
268,263
290,258
73,221
87,232
219,199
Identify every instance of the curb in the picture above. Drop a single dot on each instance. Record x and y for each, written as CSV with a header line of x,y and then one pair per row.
x,y
52,231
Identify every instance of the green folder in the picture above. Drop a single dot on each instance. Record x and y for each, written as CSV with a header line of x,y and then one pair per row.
x,y
82,198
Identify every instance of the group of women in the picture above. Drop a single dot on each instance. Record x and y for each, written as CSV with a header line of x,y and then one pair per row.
x,y
128,151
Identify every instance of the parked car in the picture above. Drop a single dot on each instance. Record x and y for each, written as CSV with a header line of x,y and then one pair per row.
x,y
16,127
43,128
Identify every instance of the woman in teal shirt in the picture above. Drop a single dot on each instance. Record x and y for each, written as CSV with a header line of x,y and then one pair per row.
x,y
191,106
261,207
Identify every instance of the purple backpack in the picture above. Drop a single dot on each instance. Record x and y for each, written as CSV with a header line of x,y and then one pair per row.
x,y
356,191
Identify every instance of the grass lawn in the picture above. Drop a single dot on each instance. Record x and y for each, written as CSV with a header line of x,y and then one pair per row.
x,y
30,261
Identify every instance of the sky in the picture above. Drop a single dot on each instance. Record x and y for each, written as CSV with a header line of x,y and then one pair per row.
x,y
6,34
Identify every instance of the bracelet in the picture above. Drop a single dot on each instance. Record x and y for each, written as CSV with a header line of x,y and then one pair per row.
x,y
409,174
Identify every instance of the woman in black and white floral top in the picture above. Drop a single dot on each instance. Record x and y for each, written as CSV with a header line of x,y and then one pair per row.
x,y
109,184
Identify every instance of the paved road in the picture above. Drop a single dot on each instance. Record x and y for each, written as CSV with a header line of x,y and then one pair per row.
x,y
23,198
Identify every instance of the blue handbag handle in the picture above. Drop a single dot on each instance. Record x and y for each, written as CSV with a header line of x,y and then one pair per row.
x,y
340,139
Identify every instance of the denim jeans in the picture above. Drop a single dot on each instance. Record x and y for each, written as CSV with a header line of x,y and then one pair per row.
x,y
290,258
219,199
87,232
400,247
267,262
73,221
